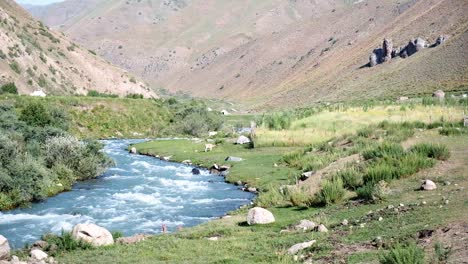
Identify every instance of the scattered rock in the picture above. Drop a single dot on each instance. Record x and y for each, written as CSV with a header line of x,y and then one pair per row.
x,y
380,219
322,229
133,150
38,254
234,159
213,238
298,247
187,162
41,244
403,98
168,158
239,183
307,175
243,140
93,234
440,40
378,242
345,222
428,185
4,248
305,225
195,171
252,190
131,240
258,215
439,94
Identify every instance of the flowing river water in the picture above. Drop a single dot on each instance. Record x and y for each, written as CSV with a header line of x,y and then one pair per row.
x,y
138,195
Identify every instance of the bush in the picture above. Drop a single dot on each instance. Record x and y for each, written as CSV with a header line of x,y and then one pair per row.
x,y
434,151
453,131
404,254
64,242
332,192
94,93
134,96
9,88
384,150
298,196
277,121
351,178
373,192
35,114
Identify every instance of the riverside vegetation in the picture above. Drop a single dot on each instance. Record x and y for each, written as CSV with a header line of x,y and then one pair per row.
x,y
369,170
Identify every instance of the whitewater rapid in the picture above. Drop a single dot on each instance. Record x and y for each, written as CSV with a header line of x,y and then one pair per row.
x,y
138,195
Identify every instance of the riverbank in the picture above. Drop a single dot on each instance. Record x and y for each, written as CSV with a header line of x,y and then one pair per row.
x,y
355,243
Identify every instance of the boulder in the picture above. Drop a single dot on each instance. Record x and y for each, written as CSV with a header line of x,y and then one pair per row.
x,y
373,60
321,229
133,150
243,140
305,225
131,240
298,247
4,248
306,175
440,40
187,162
258,215
38,254
93,234
396,52
387,49
420,44
41,244
195,171
252,190
438,94
234,159
428,185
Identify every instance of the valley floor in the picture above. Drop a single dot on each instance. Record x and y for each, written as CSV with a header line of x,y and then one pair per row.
x,y
428,218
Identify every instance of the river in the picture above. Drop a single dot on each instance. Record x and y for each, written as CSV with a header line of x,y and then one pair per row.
x,y
138,195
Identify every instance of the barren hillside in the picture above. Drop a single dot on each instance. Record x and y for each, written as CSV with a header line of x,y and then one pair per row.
x,y
35,57
274,52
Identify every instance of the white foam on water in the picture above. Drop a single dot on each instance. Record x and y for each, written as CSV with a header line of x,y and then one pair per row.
x,y
184,184
139,197
9,218
212,200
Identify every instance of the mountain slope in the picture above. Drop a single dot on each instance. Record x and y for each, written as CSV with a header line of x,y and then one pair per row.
x,y
274,52
34,57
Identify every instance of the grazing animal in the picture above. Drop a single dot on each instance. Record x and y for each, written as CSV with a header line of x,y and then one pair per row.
x,y
209,147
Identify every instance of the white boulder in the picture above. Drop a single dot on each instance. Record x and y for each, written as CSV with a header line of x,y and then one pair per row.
x,y
258,215
38,254
322,229
298,247
133,150
93,234
305,225
243,140
4,248
428,185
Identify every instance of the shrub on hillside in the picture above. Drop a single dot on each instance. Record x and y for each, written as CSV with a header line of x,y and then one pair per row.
x,y
332,192
278,121
9,88
404,254
352,179
373,192
63,242
434,151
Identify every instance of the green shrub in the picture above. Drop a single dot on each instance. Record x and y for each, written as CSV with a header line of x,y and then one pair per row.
x,y
64,242
278,121
430,150
441,253
386,149
453,131
373,192
351,178
298,196
9,88
15,67
134,96
94,93
35,114
404,254
117,234
332,192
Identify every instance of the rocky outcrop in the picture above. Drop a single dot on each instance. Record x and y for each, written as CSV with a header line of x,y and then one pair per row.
x,y
4,248
258,215
387,49
243,140
93,234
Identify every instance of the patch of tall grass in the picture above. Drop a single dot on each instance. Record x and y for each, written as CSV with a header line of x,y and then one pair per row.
x,y
430,150
404,254
332,192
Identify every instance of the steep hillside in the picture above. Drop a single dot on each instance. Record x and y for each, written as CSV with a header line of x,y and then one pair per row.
x,y
274,52
34,57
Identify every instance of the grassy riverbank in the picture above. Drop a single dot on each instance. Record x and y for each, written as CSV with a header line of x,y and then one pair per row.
x,y
445,208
